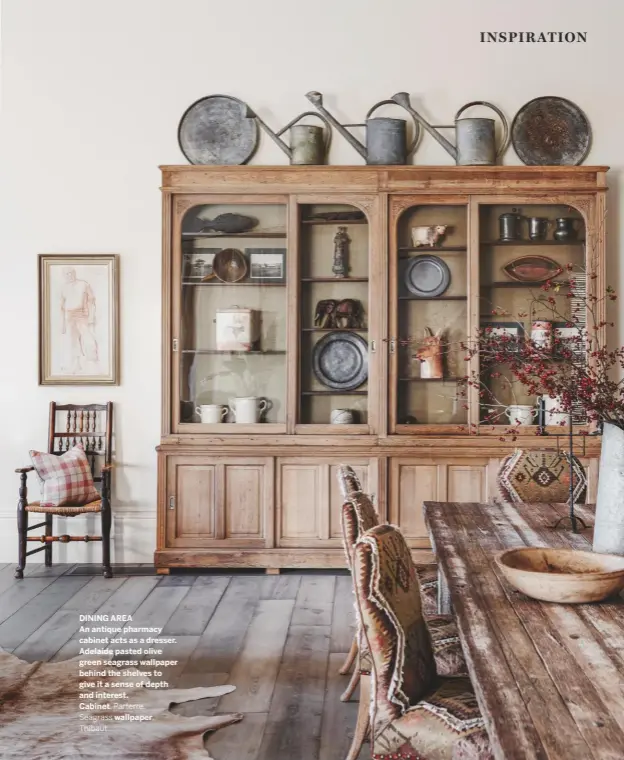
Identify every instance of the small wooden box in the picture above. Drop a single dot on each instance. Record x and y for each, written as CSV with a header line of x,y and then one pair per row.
x,y
237,329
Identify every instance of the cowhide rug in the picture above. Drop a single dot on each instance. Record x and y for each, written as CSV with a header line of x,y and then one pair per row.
x,y
40,717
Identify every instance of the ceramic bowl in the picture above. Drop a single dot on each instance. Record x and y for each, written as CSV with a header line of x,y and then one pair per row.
x,y
566,576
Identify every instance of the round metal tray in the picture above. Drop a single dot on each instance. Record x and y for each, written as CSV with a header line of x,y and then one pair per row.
x,y
427,276
216,131
340,360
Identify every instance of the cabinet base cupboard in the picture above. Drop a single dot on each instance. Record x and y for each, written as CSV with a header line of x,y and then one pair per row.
x,y
345,306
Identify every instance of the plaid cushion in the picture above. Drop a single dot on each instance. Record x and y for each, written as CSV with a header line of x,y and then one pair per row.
x,y
66,480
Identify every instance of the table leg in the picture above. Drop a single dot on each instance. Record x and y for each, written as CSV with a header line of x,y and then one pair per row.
x,y
444,595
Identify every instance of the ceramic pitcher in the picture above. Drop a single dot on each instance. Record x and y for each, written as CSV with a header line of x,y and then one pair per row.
x,y
248,409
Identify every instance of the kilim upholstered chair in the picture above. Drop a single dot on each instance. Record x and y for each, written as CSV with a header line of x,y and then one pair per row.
x,y
540,477
89,426
359,516
415,713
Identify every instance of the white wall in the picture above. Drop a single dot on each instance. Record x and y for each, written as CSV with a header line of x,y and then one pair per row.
x,y
92,93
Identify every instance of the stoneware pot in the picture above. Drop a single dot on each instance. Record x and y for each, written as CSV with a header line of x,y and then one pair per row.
x,y
566,576
609,526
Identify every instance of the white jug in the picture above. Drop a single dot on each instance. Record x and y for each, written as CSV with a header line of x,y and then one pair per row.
x,y
521,414
212,413
552,413
248,409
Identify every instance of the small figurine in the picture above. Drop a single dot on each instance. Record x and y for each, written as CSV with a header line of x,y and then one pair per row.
x,y
340,267
430,236
349,314
430,355
325,314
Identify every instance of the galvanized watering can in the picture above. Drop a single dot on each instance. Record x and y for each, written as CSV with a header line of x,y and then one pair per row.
x,y
475,140
386,139
309,143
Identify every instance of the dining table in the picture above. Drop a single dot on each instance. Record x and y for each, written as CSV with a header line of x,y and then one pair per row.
x,y
549,678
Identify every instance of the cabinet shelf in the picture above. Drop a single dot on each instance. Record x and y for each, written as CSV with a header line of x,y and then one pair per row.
x,y
532,242
334,279
229,235
429,379
334,393
433,249
334,222
514,284
218,283
334,329
214,352
433,298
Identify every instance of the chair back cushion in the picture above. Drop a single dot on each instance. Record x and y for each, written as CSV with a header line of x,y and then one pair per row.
x,y
66,480
540,477
388,599
348,481
358,515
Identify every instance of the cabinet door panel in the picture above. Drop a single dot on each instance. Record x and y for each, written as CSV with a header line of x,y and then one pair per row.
x,y
466,482
195,501
414,481
219,501
309,500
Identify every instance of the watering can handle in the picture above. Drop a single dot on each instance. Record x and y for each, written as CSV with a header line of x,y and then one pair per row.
x,y
414,143
328,131
505,143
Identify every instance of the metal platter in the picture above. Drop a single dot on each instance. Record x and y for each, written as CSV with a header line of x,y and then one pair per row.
x,y
215,130
551,131
340,360
427,276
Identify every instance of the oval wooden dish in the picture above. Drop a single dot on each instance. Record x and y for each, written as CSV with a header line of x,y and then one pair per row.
x,y
565,576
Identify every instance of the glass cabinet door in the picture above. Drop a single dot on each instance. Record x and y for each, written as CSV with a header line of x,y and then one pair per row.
x,y
520,247
430,318
231,340
334,316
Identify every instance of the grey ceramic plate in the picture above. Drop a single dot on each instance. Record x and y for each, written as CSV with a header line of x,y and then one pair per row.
x,y
215,131
340,360
551,131
427,276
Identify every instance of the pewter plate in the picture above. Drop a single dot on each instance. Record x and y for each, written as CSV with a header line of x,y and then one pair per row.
x,y
340,360
427,276
215,131
551,131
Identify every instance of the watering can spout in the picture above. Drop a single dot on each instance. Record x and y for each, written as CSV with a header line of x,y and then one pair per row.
x,y
403,99
250,114
316,98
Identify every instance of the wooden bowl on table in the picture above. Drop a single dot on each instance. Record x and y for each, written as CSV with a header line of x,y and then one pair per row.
x,y
566,576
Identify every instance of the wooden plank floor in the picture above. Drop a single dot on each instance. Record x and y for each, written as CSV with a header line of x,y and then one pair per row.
x,y
278,639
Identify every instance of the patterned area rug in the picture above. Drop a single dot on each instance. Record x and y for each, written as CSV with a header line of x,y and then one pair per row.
x,y
40,717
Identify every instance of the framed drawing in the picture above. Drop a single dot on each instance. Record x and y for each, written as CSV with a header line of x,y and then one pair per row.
x,y
78,319
513,332
266,264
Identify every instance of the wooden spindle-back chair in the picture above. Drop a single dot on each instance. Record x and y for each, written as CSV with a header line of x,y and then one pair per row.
x,y
69,425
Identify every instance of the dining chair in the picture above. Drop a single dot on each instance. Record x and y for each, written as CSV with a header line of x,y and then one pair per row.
x,y
540,477
414,711
358,517
89,426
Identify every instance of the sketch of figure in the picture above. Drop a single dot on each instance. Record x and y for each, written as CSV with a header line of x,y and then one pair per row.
x,y
78,320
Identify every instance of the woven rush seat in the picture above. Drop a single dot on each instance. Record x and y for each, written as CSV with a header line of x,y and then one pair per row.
x,y
66,510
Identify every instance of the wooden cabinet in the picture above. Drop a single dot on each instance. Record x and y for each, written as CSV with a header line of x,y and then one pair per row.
x,y
219,501
238,490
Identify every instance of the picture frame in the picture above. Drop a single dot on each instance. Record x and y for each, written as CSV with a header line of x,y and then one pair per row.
x,y
78,319
515,330
190,269
266,265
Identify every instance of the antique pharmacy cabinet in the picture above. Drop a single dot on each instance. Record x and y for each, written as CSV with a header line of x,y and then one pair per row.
x,y
295,302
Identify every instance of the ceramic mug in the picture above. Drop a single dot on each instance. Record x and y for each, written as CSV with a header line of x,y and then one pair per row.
x,y
212,413
521,414
248,409
341,417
